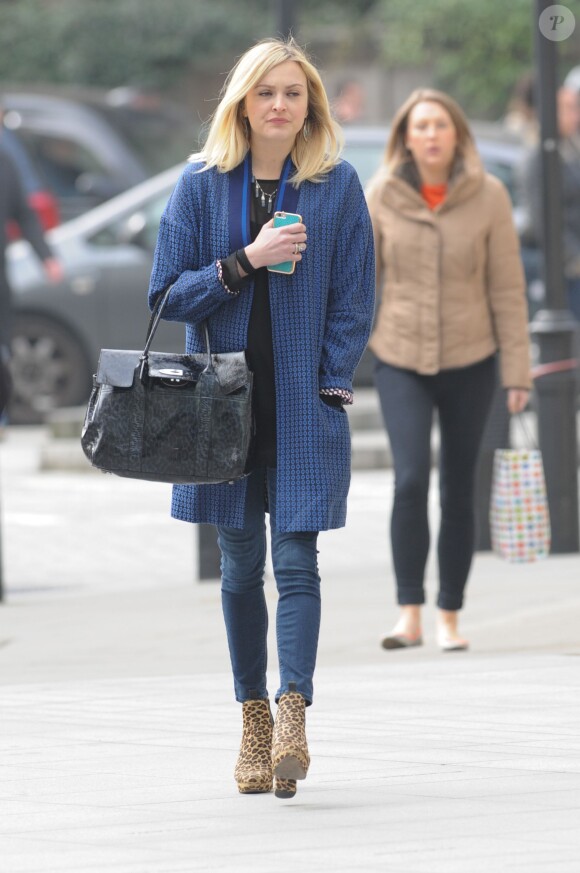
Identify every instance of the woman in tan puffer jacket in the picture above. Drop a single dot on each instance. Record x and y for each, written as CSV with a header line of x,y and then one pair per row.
x,y
452,296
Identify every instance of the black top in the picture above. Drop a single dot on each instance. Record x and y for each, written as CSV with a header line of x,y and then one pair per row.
x,y
259,349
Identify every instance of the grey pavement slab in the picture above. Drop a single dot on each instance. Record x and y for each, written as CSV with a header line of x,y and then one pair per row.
x,y
450,767
118,731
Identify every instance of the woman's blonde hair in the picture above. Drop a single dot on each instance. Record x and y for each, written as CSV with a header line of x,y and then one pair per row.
x,y
317,146
397,154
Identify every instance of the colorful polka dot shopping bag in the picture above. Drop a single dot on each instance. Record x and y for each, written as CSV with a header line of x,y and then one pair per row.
x,y
519,516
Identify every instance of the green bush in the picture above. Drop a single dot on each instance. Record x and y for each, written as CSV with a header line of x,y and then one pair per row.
x,y
106,42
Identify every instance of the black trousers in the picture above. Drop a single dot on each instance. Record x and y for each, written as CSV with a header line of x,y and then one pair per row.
x,y
462,399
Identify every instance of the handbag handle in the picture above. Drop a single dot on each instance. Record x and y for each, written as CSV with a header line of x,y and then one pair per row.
x,y
154,324
155,319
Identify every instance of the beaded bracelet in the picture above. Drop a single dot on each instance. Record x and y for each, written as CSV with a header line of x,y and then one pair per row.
x,y
220,273
244,262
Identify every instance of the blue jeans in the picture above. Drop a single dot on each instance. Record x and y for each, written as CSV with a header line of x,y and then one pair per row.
x,y
294,558
462,398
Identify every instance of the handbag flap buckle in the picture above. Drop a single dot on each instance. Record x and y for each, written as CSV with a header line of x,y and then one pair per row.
x,y
116,367
165,365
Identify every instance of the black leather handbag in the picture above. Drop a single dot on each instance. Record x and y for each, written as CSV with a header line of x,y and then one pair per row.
x,y
185,419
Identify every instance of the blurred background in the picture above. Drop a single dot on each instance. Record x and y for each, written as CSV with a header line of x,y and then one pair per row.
x,y
103,102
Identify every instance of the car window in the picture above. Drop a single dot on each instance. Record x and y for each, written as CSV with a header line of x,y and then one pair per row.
x,y
159,138
364,158
61,161
367,157
140,226
503,171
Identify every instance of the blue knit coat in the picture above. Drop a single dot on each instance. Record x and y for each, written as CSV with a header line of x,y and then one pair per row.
x,y
321,318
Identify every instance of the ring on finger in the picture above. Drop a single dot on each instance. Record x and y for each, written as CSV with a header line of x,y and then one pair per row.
x,y
296,248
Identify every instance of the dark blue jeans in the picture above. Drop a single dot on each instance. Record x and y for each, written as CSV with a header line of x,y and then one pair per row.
x,y
462,398
295,562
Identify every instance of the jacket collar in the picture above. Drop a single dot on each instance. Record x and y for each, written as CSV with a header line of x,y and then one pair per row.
x,y
401,187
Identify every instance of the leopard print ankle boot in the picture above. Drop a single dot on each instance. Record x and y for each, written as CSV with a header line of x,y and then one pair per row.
x,y
285,789
253,771
290,758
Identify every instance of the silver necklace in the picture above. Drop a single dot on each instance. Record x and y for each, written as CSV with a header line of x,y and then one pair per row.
x,y
263,195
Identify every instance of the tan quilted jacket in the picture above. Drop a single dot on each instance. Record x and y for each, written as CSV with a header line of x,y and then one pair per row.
x,y
451,281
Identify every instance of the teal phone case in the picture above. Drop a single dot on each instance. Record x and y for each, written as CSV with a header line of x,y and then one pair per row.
x,y
281,219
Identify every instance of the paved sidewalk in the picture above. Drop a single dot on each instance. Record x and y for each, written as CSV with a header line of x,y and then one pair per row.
x,y
118,734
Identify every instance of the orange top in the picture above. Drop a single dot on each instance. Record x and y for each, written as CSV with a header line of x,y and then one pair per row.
x,y
434,195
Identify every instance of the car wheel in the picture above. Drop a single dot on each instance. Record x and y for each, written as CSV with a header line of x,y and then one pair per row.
x,y
49,369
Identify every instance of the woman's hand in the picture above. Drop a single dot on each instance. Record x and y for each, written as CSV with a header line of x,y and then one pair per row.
x,y
517,400
274,245
54,270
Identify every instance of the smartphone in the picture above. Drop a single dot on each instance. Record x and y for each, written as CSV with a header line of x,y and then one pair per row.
x,y
280,220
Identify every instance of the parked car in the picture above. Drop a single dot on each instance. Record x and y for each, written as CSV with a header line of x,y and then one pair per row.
x,y
107,254
87,146
58,331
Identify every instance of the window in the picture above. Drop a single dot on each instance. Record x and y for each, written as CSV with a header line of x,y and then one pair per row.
x,y
61,161
140,226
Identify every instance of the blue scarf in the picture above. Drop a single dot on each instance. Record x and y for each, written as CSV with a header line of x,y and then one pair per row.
x,y
241,192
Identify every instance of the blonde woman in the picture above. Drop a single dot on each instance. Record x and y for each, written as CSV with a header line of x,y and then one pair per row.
x,y
453,295
272,145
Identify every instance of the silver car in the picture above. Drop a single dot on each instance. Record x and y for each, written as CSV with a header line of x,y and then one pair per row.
x,y
58,330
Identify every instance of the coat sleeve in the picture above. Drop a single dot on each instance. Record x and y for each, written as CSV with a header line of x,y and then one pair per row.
x,y
350,306
197,291
530,195
24,216
507,293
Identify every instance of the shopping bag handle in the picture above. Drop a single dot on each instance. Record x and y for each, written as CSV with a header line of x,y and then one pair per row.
x,y
532,443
